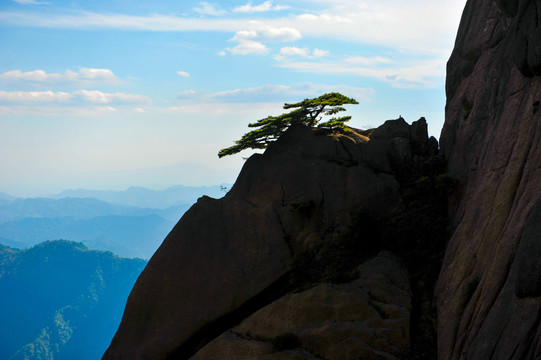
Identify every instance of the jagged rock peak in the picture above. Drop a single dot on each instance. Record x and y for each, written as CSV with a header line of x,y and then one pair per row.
x,y
227,258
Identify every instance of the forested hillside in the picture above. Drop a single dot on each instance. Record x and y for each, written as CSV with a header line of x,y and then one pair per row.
x,y
63,300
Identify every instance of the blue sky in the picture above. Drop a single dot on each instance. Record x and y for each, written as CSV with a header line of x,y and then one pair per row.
x,y
106,95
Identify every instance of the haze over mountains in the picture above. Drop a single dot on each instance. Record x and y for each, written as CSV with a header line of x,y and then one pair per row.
x,y
65,297
130,223
145,198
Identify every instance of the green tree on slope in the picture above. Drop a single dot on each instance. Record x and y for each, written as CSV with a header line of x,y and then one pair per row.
x,y
308,112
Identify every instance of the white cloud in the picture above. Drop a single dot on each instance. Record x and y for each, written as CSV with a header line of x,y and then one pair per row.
x,y
304,52
91,20
426,26
276,93
252,109
320,53
83,75
247,47
280,7
206,8
325,18
186,94
250,41
93,74
56,110
424,29
98,97
280,34
410,73
139,110
243,35
266,6
81,96
183,73
268,33
292,50
34,96
36,75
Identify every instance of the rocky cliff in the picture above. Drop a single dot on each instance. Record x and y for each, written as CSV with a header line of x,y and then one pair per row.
x,y
489,293
329,245
293,252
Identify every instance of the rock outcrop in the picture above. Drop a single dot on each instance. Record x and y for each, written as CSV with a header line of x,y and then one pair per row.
x,y
489,298
368,318
220,286
228,258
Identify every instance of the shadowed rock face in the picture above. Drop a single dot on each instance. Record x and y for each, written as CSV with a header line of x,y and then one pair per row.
x,y
227,258
489,289
218,282
365,319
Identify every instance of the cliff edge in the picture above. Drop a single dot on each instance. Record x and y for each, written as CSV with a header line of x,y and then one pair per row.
x,y
330,243
279,242
489,293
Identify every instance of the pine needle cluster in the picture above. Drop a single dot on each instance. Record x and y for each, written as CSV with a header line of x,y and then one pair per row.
x,y
308,112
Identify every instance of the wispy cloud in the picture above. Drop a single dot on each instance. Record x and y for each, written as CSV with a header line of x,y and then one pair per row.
x,y
269,33
251,41
276,93
186,93
34,96
222,109
266,6
368,61
320,53
57,110
427,26
205,8
31,2
303,52
79,96
247,47
413,73
183,73
91,20
83,75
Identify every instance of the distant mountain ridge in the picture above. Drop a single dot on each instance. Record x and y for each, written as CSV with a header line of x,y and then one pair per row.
x,y
143,197
130,223
55,208
129,236
4,196
63,300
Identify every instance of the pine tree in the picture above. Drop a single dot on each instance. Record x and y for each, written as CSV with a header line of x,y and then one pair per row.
x,y
308,112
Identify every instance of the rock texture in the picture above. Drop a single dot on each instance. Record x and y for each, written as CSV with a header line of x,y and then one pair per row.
x,y
489,290
227,258
365,319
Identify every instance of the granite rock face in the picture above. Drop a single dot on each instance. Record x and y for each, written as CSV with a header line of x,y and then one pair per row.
x,y
489,299
228,258
365,319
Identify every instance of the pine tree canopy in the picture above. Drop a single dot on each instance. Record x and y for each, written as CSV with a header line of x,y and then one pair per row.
x,y
308,112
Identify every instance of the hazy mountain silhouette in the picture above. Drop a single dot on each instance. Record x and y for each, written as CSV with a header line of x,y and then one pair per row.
x,y
63,300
